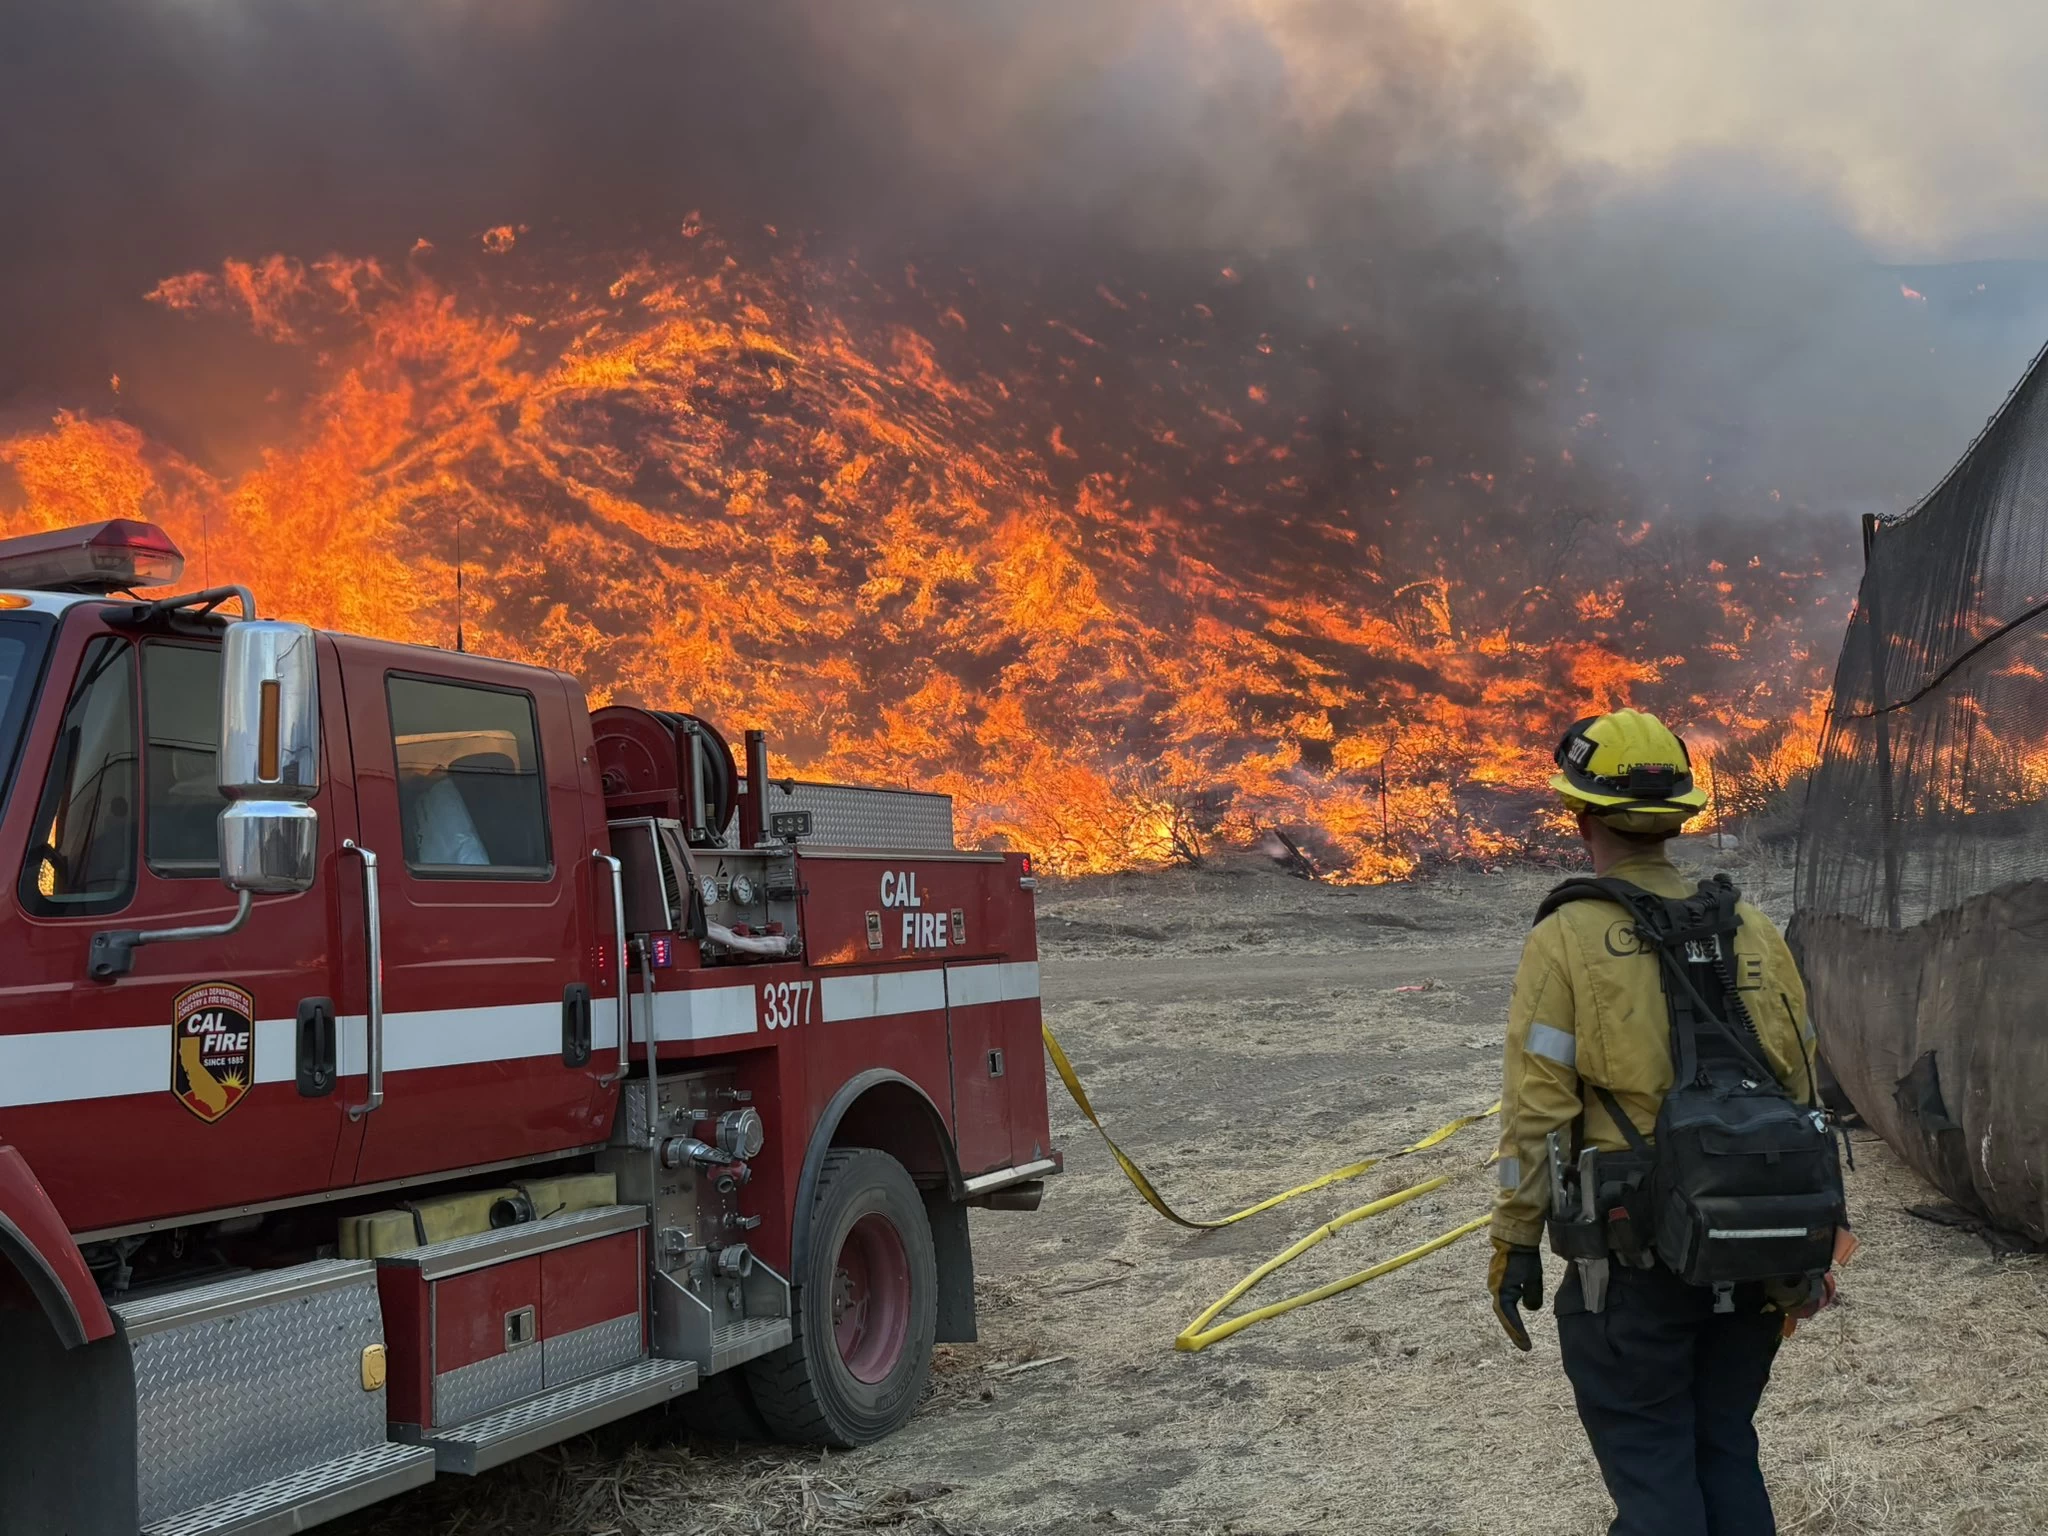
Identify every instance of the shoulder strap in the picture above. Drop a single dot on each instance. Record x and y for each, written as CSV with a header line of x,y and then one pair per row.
x,y
1626,896
1637,1142
1667,925
1592,888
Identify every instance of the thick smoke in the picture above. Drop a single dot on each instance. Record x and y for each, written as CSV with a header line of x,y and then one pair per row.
x,y
1724,321
1068,135
1741,340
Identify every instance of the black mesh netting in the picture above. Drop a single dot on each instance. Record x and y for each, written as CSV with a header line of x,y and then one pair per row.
x,y
1923,880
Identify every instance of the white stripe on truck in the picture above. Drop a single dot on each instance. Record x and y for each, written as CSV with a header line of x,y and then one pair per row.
x,y
65,1066
881,995
704,1013
970,986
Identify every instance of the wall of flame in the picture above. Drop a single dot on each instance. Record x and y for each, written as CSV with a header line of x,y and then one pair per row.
x,y
1126,573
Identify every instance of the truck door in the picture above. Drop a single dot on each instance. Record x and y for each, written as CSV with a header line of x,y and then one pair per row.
x,y
471,791
202,1079
977,1045
981,1004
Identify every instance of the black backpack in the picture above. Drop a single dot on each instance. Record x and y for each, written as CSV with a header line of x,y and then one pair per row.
x,y
1743,1183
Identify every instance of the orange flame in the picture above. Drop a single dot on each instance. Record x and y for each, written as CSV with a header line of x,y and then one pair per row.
x,y
923,541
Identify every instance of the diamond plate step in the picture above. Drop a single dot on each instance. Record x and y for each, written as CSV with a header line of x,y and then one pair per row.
x,y
510,1432
305,1499
740,1341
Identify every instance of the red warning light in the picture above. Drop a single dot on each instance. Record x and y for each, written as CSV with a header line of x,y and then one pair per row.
x,y
99,557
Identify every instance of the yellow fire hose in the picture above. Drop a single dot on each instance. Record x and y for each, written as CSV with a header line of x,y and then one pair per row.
x,y
1198,1334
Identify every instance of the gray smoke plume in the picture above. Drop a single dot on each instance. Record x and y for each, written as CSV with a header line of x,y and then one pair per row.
x,y
1727,330
139,139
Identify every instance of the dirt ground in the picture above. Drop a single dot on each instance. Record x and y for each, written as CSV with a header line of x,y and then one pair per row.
x,y
1241,1030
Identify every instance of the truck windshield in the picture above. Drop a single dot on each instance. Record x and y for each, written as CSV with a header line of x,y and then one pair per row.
x,y
23,640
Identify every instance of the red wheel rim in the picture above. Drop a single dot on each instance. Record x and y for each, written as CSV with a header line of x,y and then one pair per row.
x,y
871,1299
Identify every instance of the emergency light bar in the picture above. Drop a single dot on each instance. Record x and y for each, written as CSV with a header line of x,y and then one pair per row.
x,y
97,557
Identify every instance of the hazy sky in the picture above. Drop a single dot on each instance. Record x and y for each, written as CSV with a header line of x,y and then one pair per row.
x,y
1926,120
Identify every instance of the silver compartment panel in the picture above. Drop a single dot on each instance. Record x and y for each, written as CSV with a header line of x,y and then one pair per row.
x,y
471,1390
247,1381
851,816
570,1357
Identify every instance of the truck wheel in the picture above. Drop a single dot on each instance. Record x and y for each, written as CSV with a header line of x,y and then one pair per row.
x,y
722,1408
865,1310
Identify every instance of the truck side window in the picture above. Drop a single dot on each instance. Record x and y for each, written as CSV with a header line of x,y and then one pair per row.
x,y
471,799
181,728
23,642
81,854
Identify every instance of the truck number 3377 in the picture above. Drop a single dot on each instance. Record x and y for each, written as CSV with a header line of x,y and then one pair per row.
x,y
786,1004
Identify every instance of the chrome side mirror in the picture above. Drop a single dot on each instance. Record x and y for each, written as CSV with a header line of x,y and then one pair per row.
x,y
269,846
269,762
269,712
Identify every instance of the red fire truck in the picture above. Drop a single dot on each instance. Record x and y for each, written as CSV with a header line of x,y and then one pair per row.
x,y
536,1067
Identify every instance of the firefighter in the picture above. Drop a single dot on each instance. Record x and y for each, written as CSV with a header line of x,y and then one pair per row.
x,y
1666,1385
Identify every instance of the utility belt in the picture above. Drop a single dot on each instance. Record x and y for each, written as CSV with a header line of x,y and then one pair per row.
x,y
1600,1213
1618,1225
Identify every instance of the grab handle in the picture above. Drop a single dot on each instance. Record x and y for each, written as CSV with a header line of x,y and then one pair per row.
x,y
618,956
373,923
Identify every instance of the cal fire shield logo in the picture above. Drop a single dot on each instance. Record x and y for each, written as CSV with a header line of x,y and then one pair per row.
x,y
213,1048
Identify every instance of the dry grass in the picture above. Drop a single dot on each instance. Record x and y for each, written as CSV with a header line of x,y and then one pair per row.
x,y
1918,1405
637,1482
1240,1031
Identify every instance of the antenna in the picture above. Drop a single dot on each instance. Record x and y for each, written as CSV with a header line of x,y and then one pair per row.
x,y
458,579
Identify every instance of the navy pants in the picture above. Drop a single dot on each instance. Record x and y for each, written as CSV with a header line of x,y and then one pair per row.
x,y
1667,1389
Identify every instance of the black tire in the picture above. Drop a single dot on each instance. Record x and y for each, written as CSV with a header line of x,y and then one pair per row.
x,y
722,1408
806,1392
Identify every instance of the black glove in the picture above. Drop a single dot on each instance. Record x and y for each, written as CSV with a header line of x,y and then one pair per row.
x,y
1516,1280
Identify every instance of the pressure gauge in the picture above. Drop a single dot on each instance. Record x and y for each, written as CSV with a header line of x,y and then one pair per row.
x,y
708,889
743,890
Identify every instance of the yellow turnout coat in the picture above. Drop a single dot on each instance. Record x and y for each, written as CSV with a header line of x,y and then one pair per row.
x,y
1589,1009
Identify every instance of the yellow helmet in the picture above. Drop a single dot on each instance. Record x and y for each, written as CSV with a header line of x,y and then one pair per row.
x,y
1629,769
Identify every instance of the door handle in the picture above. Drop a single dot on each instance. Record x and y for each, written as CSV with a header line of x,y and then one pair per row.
x,y
575,1024
373,924
618,958
318,1068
